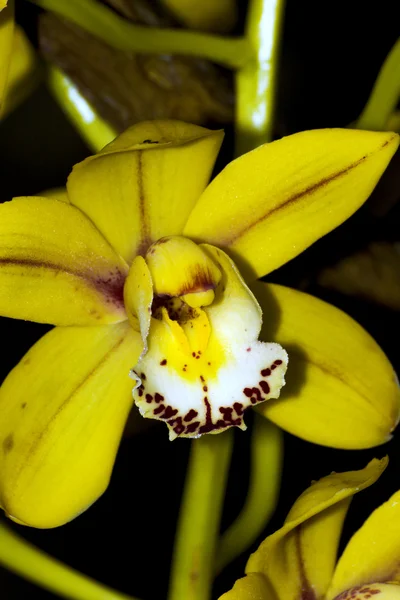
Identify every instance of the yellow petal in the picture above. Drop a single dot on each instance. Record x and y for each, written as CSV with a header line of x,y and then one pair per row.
x,y
138,297
373,553
270,204
179,267
205,389
143,185
55,267
341,389
298,560
6,42
252,587
56,194
63,412
24,74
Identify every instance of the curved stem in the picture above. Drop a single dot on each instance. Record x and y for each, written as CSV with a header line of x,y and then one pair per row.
x,y
194,553
102,22
256,80
96,132
385,94
262,496
22,558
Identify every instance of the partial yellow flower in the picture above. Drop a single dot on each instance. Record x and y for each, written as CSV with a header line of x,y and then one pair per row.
x,y
299,560
136,266
19,71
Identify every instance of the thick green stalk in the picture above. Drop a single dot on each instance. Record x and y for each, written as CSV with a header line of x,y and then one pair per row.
x,y
262,495
120,33
194,552
96,132
256,79
22,558
385,94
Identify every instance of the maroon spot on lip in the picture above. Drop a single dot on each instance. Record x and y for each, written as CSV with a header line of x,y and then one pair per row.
x,y
266,372
264,386
163,362
158,398
202,379
238,408
248,349
192,427
190,415
273,367
205,388
149,398
277,362
248,392
169,412
159,409
227,413
140,392
143,376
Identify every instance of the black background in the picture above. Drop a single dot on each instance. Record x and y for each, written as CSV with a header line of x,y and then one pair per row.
x,y
331,54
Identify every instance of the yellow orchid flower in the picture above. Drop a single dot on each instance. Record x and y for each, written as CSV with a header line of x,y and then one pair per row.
x,y
133,264
299,560
19,71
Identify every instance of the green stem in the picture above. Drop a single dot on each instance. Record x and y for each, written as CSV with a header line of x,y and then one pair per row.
x,y
385,94
194,552
256,80
22,558
262,495
96,132
102,22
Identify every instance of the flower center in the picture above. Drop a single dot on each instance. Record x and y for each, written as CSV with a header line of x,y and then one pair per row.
x,y
202,364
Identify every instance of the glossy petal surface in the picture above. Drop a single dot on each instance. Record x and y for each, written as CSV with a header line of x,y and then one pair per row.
x,y
373,553
341,389
252,587
298,560
143,185
63,408
55,266
267,206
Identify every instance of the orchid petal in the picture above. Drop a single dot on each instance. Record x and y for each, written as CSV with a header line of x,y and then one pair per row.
x,y
63,408
299,558
252,587
373,553
267,206
341,389
143,185
205,366
55,267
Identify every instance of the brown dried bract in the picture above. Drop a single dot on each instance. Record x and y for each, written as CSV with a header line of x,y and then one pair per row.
x,y
373,274
126,88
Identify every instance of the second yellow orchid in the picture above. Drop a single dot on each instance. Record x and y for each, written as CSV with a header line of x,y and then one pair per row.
x,y
299,560
142,268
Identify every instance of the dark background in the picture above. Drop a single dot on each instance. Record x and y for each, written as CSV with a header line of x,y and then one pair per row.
x,y
331,54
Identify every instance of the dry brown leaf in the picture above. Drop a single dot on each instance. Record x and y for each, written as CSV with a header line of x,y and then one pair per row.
x,y
373,274
126,88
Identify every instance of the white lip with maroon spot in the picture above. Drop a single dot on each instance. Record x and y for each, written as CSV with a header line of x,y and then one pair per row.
x,y
250,375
